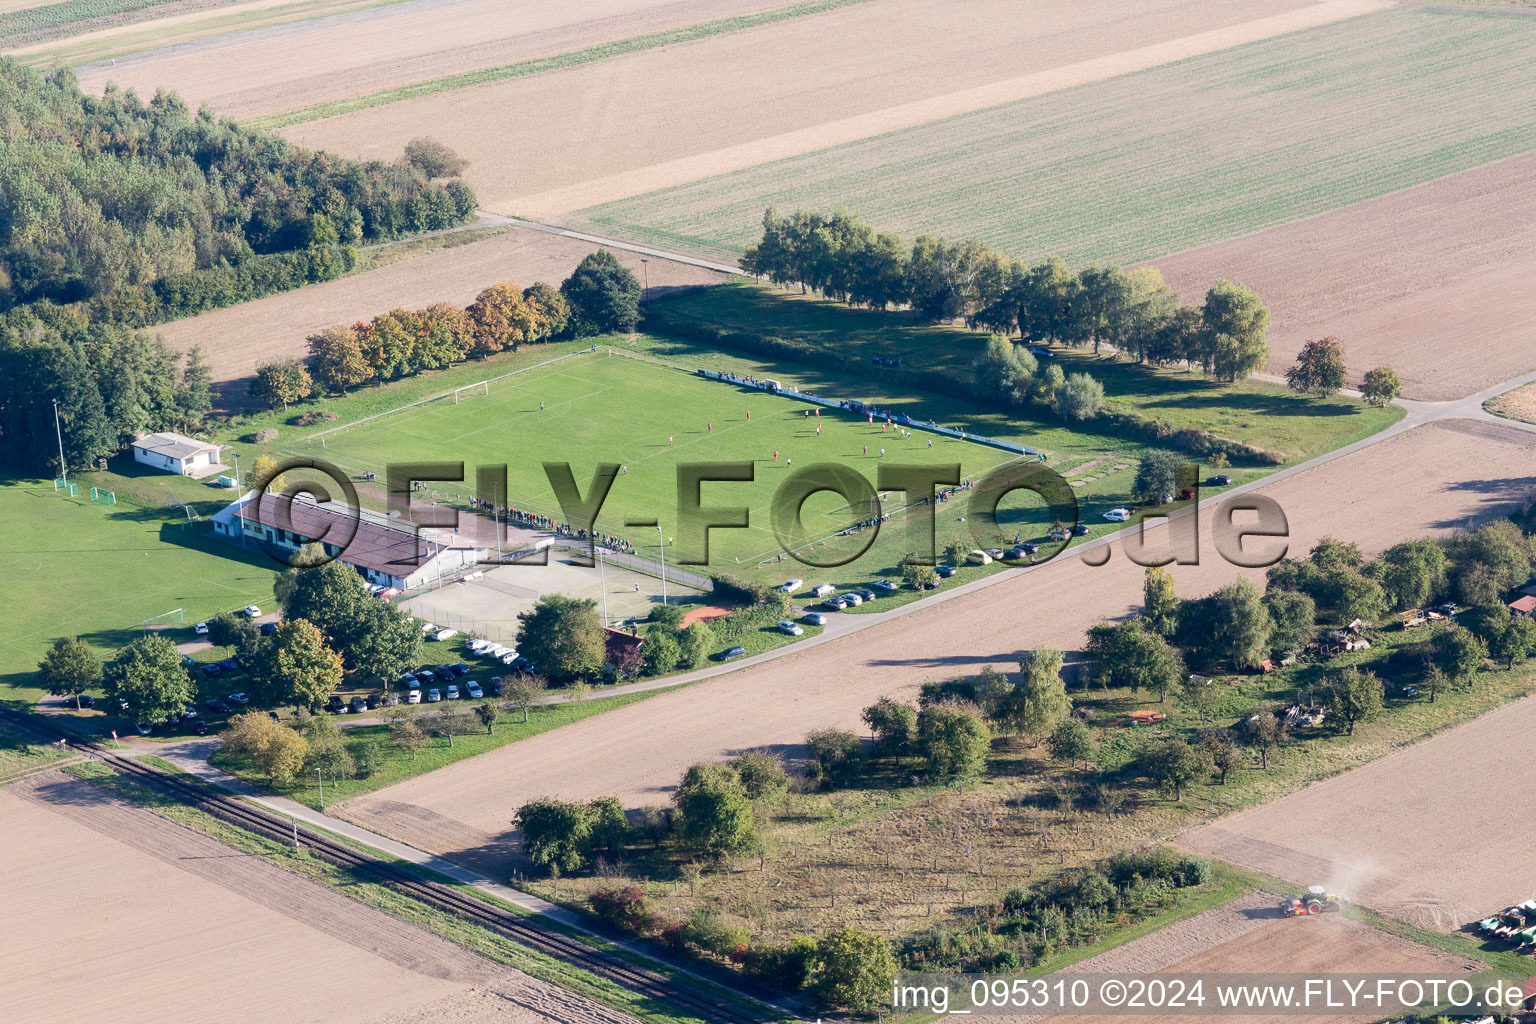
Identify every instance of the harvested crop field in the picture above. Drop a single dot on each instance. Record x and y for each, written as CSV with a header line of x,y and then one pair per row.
x,y
1166,159
1519,404
1309,946
1432,281
186,922
1419,482
1430,839
240,338
556,142
279,68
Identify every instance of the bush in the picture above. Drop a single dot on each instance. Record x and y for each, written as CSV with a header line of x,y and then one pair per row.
x,y
626,907
762,774
713,934
787,967
262,436
313,416
835,755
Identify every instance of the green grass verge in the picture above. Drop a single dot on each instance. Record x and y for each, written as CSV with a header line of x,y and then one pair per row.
x,y
399,766
1158,161
380,897
539,65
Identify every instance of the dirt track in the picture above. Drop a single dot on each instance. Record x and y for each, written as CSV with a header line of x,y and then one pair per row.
x,y
179,927
264,71
561,141
1455,471
1433,834
237,340
1433,281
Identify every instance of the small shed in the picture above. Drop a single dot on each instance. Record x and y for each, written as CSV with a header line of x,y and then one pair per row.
x,y
177,453
1523,606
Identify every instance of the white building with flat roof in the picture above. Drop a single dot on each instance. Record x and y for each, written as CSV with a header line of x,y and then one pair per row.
x,y
177,453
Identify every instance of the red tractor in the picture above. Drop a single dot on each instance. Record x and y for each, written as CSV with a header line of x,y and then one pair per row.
x,y
1316,900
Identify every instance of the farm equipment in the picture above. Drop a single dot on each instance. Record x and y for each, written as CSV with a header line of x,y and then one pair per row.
x,y
1316,900
1517,924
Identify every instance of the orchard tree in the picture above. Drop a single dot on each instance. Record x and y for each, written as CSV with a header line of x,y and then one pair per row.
x,y
834,754
1038,701
1293,616
1381,386
1222,749
714,812
69,668
488,713
1171,765
1513,640
407,735
762,774
953,742
1072,741
336,359
1157,475
892,723
150,676
1264,732
279,385
523,693
1319,369
854,969
1079,397
556,833
1412,572
1160,606
563,636
1356,697
1240,623
1132,656
432,158
1459,653
277,751
604,296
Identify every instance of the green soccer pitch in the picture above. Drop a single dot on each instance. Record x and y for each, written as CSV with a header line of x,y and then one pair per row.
x,y
650,418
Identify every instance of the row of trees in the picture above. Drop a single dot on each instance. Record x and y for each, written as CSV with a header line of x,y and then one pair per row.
x,y
601,296
1319,371
1133,310
112,385
108,194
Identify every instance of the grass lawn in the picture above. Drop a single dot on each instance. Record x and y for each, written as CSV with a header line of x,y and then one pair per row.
x,y
437,753
1158,161
19,752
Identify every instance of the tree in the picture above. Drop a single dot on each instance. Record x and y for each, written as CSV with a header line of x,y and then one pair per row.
x,y
762,774
1157,475
407,735
1038,701
610,828
1319,369
369,758
1132,656
1240,624
279,385
1512,642
953,741
495,319
150,676
563,636
336,359
715,815
694,643
331,596
1459,654
297,666
262,473
1355,596
855,969
1355,696
551,308
1236,321
277,751
69,668
916,575
196,396
604,296
1079,397
892,722
1412,572
328,753
381,640
1160,606
1172,764
834,754
433,159
1004,371
227,629
555,833
523,693
1221,748
1072,741
488,713
451,723
1381,386
1264,733
1293,617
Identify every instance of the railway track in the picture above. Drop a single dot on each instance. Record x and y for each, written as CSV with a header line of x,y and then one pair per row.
x,y
526,931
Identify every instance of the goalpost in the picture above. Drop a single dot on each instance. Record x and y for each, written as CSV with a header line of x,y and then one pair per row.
x,y
103,497
69,488
471,390
180,619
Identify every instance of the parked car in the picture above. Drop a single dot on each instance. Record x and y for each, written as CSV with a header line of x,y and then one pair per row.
x,y
1042,352
452,693
211,669
239,698
790,628
824,590
495,686
1118,515
86,701
834,604
428,628
1014,554
1220,480
201,629
472,689
391,699
268,629
374,701
730,653
433,696
854,598
229,665
251,611
1057,533
425,676
944,572
356,705
336,705
885,585
407,681
996,553
459,668
201,727
790,586
187,711
815,618
217,706
389,592
414,697
445,634
866,593
510,659
1080,530
979,557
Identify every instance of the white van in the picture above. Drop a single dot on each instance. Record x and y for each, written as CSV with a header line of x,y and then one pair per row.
x,y
825,590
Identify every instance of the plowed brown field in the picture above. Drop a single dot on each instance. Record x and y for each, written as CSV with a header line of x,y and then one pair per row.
x,y
565,140
1421,481
240,338
1434,281
1429,839
156,923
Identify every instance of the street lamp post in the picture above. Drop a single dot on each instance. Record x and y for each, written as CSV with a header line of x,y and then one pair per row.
x,y
321,780
662,563
59,431
496,520
602,581
645,268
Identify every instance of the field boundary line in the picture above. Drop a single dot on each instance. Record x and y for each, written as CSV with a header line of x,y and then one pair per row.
x,y
318,436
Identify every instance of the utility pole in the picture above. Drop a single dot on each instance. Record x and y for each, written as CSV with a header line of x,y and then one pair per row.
x,y
645,268
321,779
662,563
602,580
59,431
496,518
295,822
